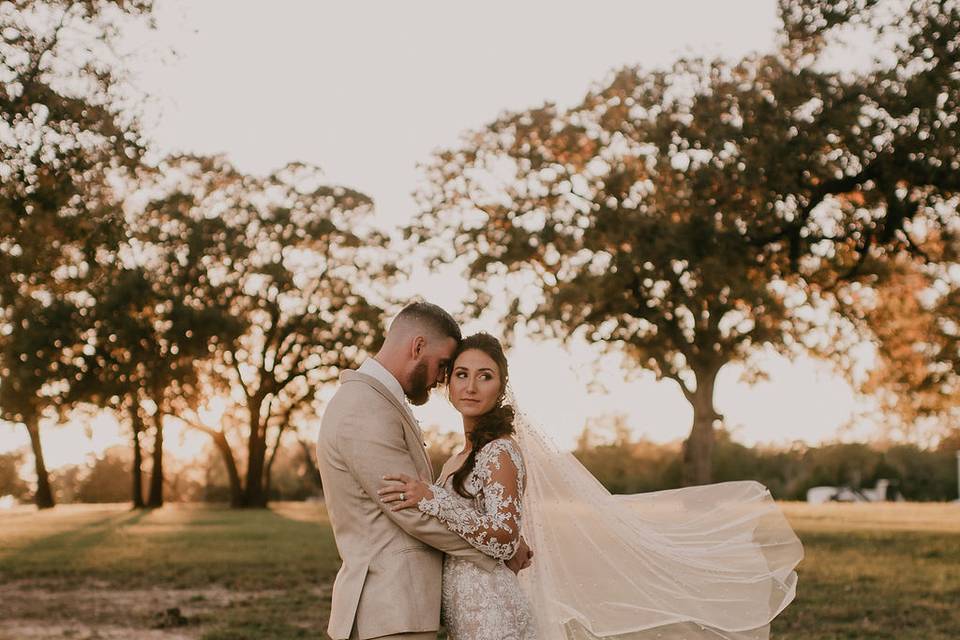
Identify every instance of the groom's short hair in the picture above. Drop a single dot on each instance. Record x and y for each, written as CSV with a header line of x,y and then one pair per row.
x,y
430,317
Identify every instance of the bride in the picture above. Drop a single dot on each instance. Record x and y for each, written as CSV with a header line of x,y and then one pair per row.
x,y
708,562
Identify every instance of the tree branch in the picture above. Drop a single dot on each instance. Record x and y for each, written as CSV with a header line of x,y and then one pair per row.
x,y
683,387
831,187
271,335
284,349
293,375
34,69
864,251
243,385
199,426
273,451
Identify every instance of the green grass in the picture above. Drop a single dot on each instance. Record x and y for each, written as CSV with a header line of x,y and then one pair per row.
x,y
232,574
185,571
875,571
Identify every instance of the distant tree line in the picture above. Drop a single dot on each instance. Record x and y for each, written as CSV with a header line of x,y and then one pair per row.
x,y
622,463
627,465
105,478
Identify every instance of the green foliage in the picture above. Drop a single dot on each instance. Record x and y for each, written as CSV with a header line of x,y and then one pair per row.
x,y
441,446
290,476
64,142
65,482
36,357
626,466
908,108
108,479
922,475
11,484
64,136
623,465
777,469
281,270
686,216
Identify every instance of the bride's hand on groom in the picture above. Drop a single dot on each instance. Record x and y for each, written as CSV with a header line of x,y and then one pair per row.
x,y
404,492
400,491
522,558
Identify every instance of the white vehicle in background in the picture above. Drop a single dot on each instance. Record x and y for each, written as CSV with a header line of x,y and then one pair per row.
x,y
884,491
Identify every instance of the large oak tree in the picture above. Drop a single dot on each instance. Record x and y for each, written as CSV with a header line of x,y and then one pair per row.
x,y
62,138
691,215
294,261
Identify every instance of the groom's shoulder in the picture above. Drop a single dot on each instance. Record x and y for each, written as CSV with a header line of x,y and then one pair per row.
x,y
352,381
355,386
356,402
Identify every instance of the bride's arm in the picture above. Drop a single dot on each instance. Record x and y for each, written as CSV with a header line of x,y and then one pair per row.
x,y
493,529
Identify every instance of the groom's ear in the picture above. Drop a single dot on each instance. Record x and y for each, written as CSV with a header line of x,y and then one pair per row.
x,y
418,346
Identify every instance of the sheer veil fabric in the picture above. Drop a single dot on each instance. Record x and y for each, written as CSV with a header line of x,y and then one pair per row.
x,y
700,563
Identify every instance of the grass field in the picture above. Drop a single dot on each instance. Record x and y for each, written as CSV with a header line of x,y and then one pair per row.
x,y
197,572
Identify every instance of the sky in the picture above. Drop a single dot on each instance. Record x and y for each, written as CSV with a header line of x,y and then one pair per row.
x,y
367,90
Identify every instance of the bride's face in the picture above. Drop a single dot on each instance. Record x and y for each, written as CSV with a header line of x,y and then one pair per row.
x,y
474,383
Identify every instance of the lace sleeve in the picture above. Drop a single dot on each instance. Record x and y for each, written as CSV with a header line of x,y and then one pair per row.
x,y
493,525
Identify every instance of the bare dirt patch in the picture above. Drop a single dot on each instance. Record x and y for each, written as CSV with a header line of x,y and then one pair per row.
x,y
33,610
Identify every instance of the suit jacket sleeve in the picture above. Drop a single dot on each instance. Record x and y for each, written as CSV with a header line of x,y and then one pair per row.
x,y
372,448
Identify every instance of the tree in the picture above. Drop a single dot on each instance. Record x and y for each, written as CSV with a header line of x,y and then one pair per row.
x,y
153,325
889,158
624,228
916,377
63,139
294,259
11,484
35,353
121,341
103,481
688,216
910,110
624,465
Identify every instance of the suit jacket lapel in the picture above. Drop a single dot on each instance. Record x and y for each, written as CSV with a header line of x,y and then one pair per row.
x,y
409,422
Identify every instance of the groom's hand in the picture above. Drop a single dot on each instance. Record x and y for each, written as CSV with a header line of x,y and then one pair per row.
x,y
522,558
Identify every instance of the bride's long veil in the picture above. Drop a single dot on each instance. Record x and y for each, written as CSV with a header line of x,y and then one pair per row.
x,y
706,562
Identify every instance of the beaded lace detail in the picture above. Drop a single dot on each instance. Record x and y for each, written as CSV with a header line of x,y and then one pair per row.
x,y
492,522
478,604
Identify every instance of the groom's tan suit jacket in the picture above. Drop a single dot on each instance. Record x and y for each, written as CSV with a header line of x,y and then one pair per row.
x,y
389,582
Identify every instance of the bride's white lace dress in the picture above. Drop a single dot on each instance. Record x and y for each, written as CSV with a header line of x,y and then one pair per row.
x,y
477,604
713,562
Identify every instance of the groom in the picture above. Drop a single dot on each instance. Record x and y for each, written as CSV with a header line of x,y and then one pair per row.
x,y
389,583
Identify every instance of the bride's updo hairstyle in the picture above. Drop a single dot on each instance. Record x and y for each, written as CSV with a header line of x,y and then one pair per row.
x,y
496,423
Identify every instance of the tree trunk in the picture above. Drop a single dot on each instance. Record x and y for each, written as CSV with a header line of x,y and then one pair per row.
x,y
223,446
312,468
254,495
156,474
136,423
268,469
266,482
44,496
236,490
698,447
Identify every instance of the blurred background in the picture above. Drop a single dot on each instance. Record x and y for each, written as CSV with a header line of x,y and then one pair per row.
x,y
720,239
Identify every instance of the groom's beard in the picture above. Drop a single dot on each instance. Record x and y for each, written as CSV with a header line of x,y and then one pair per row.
x,y
419,390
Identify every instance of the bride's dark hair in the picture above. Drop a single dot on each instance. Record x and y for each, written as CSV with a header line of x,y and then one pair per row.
x,y
496,423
